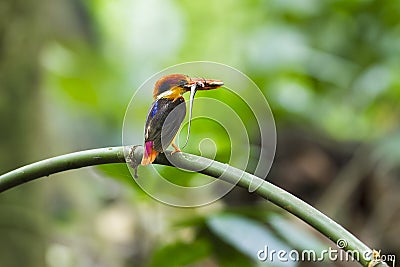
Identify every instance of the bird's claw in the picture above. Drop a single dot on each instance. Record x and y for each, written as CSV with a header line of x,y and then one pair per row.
x,y
176,149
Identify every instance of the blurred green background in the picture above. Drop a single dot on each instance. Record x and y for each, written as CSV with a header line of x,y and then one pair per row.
x,y
68,69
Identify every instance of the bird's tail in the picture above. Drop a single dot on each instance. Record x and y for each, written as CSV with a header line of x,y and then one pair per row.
x,y
149,154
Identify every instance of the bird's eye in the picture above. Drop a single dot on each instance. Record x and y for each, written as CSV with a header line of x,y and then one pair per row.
x,y
182,83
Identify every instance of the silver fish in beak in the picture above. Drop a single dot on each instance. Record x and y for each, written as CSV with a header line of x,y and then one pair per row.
x,y
198,84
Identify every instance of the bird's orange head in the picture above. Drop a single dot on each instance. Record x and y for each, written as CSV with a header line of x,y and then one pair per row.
x,y
174,85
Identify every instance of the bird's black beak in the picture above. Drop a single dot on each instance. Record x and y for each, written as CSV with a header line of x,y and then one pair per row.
x,y
203,84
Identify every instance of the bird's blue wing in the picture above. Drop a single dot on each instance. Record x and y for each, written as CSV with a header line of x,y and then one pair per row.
x,y
163,121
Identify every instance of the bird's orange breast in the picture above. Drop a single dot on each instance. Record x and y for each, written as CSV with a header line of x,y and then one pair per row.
x,y
174,93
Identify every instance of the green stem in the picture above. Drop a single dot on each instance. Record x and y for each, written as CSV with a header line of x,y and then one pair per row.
x,y
276,195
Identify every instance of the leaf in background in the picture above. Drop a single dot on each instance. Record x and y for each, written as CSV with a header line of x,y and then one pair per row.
x,y
120,173
248,236
295,235
387,151
180,254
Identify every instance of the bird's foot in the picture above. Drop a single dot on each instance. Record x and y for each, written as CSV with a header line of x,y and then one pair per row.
x,y
176,149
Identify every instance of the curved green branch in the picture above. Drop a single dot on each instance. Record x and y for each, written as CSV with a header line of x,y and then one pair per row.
x,y
276,195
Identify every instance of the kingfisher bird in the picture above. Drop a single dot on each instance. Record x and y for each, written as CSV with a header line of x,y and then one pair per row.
x,y
168,110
